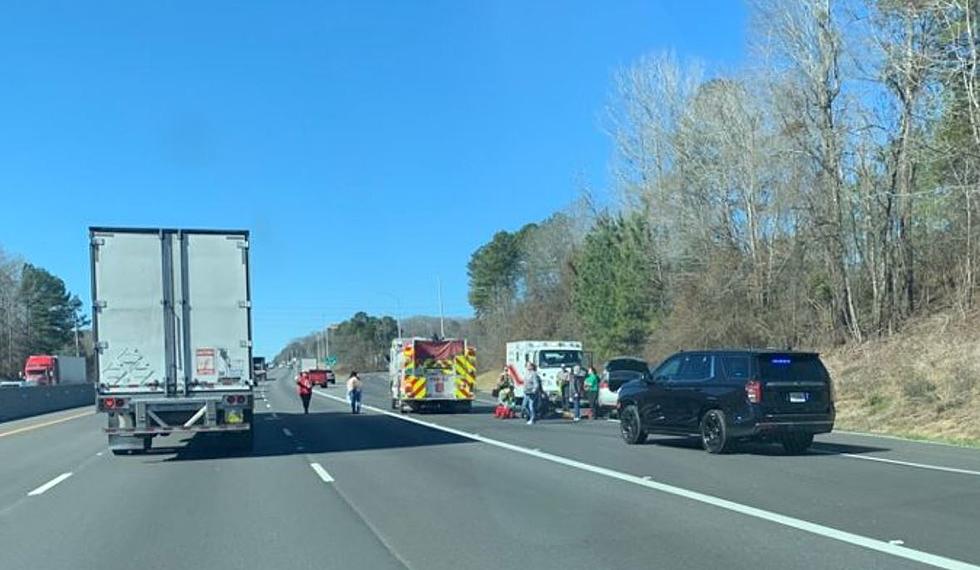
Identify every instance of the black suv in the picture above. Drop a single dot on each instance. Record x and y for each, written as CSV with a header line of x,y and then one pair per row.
x,y
730,395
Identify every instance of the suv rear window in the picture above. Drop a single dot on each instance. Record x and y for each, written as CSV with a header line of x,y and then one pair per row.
x,y
791,367
627,364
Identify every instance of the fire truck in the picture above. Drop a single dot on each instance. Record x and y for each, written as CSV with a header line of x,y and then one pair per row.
x,y
432,374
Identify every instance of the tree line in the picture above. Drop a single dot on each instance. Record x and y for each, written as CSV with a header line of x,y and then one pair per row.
x,y
363,341
825,193
38,315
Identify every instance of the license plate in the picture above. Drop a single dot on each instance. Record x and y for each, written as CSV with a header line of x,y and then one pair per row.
x,y
233,417
439,386
798,397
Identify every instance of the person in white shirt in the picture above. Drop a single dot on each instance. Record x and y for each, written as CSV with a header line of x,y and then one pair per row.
x,y
354,392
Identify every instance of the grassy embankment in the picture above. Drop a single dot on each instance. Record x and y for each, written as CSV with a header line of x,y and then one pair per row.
x,y
921,383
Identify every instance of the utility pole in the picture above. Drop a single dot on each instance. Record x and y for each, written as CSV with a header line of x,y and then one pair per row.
x,y
5,363
326,340
324,337
442,320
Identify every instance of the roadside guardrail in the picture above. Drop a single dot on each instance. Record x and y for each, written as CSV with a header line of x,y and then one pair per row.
x,y
25,401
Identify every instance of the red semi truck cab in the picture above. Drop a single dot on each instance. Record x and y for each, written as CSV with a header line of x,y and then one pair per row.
x,y
48,370
41,369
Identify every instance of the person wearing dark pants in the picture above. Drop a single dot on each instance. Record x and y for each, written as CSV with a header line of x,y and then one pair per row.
x,y
577,390
592,391
564,377
305,385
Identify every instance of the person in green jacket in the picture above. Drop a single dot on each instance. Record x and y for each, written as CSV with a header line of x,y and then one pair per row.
x,y
592,391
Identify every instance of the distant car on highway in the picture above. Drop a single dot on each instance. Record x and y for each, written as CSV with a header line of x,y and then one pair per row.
x,y
725,396
616,372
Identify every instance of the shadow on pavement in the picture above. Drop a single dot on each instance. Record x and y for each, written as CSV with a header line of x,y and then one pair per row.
x,y
436,411
763,448
314,433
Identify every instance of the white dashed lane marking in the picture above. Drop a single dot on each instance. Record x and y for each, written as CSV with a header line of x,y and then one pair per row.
x,y
322,473
47,486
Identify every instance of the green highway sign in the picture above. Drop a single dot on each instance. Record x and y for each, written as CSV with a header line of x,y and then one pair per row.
x,y
330,360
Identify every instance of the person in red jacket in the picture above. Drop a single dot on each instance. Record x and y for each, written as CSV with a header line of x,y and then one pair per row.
x,y
305,391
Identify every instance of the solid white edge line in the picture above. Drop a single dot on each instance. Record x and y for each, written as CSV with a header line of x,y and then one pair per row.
x,y
900,438
911,464
43,488
799,524
880,436
322,473
886,460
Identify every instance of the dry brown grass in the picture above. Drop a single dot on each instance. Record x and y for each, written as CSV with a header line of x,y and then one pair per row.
x,y
485,381
920,383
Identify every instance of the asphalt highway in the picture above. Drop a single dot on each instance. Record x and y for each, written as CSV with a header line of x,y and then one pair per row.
x,y
388,490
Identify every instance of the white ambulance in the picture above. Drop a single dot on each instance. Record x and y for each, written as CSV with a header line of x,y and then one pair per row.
x,y
549,356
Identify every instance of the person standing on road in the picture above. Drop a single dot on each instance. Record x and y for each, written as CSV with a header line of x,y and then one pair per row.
x,y
577,390
354,392
305,390
592,391
564,375
532,389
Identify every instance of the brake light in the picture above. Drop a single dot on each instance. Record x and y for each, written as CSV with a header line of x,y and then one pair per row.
x,y
230,399
120,402
109,403
241,399
604,384
753,390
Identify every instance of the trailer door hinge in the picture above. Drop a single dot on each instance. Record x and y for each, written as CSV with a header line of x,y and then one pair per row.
x,y
98,242
245,344
244,304
243,244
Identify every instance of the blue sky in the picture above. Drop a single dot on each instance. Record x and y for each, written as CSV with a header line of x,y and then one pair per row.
x,y
341,133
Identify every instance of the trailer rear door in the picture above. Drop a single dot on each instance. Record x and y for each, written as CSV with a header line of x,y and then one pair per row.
x,y
128,293
216,316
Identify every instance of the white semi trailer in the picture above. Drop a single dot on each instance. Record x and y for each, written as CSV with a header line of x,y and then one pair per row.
x,y
172,324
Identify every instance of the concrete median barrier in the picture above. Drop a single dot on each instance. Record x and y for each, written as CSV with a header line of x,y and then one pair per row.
x,y
21,402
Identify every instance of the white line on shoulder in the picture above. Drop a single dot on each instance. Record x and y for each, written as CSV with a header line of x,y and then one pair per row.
x,y
798,524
